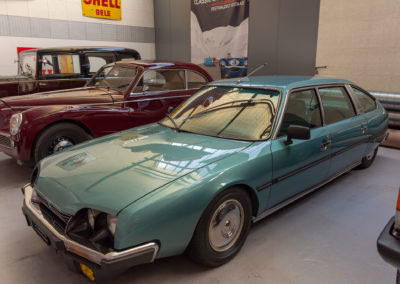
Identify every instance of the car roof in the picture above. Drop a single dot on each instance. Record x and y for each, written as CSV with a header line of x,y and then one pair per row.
x,y
161,64
280,82
82,48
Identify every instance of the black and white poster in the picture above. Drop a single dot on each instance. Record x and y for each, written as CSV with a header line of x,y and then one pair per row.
x,y
219,31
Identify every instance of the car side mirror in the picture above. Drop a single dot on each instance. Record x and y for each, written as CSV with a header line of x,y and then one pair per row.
x,y
297,132
145,88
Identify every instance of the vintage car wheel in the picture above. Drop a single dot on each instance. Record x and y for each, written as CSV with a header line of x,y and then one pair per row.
x,y
57,138
222,229
367,161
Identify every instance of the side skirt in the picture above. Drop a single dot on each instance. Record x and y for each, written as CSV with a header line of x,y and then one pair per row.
x,y
301,194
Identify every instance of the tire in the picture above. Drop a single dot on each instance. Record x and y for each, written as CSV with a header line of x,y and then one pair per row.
x,y
215,245
58,137
367,161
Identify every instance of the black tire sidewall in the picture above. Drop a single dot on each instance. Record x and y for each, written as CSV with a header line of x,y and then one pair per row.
x,y
75,133
200,248
365,163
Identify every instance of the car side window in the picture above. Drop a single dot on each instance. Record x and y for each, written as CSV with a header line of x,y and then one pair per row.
x,y
302,109
161,80
94,60
367,103
336,103
195,80
60,64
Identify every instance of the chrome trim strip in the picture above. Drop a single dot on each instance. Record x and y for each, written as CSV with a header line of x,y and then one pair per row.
x,y
301,194
103,104
79,249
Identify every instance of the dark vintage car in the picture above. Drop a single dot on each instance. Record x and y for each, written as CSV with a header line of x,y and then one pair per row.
x,y
119,96
48,69
230,155
389,241
233,67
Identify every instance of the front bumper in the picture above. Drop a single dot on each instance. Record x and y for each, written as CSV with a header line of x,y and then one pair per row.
x,y
103,265
389,246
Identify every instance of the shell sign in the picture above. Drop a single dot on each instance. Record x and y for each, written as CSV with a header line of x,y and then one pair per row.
x,y
107,9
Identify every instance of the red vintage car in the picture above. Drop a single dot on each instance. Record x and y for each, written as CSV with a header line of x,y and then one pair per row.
x,y
120,95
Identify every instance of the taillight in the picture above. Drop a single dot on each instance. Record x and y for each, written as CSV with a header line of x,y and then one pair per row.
x,y
396,231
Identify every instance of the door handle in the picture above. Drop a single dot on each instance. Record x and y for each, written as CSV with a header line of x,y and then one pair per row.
x,y
324,146
364,129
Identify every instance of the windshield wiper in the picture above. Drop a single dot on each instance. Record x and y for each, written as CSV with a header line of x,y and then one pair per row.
x,y
173,121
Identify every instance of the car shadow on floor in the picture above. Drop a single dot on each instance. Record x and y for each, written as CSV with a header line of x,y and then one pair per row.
x,y
11,174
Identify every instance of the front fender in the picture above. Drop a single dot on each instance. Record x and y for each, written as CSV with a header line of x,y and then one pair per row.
x,y
169,215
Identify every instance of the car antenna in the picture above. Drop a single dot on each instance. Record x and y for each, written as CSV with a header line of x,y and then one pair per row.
x,y
252,72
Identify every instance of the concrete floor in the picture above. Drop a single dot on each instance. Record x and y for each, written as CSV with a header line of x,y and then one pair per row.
x,y
326,237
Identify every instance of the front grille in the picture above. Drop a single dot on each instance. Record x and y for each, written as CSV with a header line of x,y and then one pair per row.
x,y
5,141
234,69
57,219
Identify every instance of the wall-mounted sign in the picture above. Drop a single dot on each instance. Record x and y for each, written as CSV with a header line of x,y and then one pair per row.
x,y
106,9
219,34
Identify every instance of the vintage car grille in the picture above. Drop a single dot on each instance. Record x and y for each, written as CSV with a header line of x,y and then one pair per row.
x,y
5,141
57,219
234,69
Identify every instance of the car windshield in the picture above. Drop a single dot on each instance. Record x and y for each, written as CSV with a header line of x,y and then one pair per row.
x,y
114,77
27,64
227,112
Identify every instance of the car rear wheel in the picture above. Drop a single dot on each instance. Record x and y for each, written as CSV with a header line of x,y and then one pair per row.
x,y
57,138
222,229
367,161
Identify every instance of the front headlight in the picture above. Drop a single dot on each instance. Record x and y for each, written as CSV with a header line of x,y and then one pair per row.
x,y
112,223
35,200
94,229
15,123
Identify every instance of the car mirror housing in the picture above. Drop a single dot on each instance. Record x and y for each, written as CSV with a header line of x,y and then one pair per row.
x,y
145,88
297,132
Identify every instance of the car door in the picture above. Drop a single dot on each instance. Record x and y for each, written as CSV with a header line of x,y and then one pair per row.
x,y
158,92
347,130
60,71
304,163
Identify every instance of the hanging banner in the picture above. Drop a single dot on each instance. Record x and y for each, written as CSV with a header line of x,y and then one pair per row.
x,y
106,9
219,35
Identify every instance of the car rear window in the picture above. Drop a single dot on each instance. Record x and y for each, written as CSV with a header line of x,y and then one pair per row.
x,y
367,103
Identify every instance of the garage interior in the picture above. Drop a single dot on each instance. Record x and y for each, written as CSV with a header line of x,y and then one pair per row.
x,y
328,236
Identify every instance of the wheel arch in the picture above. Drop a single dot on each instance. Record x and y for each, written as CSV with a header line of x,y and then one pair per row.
x,y
250,192
71,121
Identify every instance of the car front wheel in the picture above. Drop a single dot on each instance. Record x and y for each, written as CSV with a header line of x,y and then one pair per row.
x,y
222,229
57,138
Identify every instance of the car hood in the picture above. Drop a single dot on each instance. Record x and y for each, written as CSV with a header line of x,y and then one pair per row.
x,y
63,97
111,172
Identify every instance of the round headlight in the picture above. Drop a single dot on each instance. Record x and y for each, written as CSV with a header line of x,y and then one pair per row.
x,y
15,123
112,223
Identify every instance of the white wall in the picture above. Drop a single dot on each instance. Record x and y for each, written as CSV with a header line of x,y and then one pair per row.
x,y
137,17
360,41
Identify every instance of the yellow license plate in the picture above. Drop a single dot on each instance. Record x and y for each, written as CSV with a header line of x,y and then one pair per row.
x,y
87,271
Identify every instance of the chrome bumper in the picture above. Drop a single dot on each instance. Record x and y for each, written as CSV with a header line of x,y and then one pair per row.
x,y
80,250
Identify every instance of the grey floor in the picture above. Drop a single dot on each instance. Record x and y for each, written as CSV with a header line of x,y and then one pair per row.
x,y
326,237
